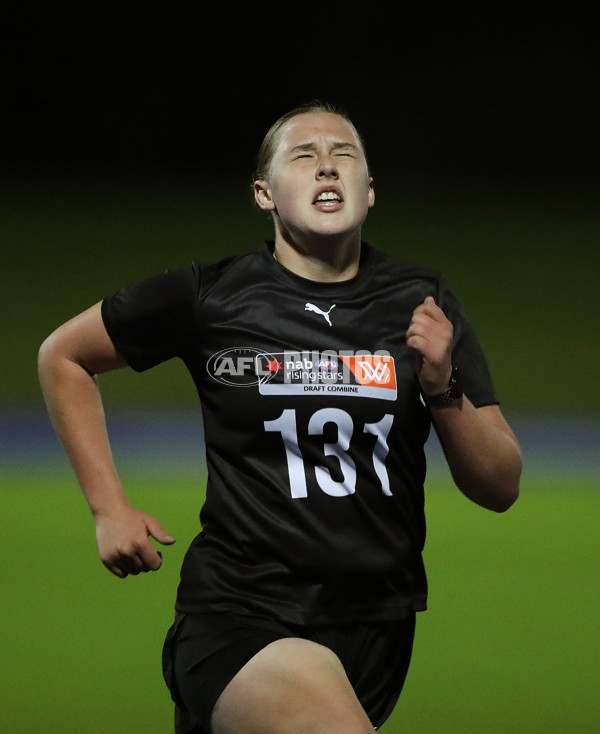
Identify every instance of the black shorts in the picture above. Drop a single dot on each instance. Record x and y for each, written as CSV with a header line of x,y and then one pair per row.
x,y
203,652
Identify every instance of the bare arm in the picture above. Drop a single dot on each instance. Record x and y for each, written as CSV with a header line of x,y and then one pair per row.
x,y
482,452
68,361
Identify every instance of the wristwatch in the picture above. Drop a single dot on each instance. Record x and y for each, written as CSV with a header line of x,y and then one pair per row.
x,y
453,393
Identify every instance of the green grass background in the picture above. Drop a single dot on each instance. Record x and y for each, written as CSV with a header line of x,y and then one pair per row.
x,y
509,643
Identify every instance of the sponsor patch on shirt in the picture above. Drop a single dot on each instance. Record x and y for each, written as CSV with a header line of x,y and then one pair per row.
x,y
306,373
310,373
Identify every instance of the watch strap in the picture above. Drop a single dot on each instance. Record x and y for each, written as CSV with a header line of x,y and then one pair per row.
x,y
450,396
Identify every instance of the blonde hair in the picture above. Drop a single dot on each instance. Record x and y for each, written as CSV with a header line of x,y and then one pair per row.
x,y
271,139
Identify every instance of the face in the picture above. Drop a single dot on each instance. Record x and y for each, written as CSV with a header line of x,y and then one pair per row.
x,y
319,184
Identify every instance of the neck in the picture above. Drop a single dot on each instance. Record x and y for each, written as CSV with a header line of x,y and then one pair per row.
x,y
324,261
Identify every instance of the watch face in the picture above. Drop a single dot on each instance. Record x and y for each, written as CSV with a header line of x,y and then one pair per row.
x,y
456,381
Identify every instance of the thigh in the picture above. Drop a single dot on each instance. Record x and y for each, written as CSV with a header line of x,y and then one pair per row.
x,y
292,686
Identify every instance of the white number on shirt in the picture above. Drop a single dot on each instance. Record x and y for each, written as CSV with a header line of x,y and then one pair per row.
x,y
286,425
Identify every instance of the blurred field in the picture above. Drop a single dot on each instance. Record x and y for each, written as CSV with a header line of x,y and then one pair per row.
x,y
523,260
509,643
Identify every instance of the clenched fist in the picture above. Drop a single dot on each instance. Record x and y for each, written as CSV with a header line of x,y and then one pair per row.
x,y
430,335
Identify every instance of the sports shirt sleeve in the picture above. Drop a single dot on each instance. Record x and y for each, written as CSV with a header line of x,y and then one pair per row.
x,y
152,321
467,353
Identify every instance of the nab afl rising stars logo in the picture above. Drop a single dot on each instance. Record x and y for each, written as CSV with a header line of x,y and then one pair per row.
x,y
347,374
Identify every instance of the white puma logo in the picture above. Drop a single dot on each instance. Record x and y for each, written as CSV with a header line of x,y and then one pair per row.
x,y
316,309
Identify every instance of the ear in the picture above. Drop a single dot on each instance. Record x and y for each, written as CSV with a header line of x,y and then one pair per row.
x,y
371,193
262,195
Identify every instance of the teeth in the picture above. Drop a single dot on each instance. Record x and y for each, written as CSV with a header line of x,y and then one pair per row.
x,y
328,196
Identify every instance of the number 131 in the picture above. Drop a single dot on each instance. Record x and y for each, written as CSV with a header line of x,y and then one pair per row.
x,y
287,426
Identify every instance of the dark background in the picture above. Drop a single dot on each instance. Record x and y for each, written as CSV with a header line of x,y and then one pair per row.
x,y
130,133
458,89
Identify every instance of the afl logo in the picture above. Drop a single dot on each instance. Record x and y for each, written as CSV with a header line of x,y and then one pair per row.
x,y
326,364
238,366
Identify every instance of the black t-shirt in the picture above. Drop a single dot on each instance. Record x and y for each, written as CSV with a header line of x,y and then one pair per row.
x,y
314,429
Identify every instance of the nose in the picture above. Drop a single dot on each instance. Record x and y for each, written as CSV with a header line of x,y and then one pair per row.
x,y
327,167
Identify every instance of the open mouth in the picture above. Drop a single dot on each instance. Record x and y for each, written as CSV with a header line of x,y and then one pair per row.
x,y
328,200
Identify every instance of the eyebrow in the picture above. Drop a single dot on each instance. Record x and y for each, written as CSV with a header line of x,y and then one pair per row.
x,y
313,146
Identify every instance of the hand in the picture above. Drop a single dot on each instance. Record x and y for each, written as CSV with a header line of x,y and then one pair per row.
x,y
430,335
123,543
